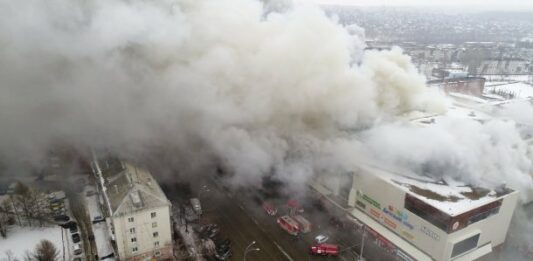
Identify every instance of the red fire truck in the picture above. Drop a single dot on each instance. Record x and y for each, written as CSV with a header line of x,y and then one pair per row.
x,y
288,224
304,224
325,250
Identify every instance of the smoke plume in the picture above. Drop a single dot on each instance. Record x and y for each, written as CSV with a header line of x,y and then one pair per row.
x,y
258,89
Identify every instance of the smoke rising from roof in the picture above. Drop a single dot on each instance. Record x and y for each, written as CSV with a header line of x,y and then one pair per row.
x,y
254,88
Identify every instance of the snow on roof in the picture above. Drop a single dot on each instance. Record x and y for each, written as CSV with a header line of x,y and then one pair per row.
x,y
101,237
129,187
451,197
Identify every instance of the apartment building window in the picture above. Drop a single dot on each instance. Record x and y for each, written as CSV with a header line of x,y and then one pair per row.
x,y
132,230
153,214
133,239
134,249
155,234
130,219
157,253
156,243
154,224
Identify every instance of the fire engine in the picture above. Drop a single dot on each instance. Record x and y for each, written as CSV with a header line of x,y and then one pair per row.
x,y
288,224
325,250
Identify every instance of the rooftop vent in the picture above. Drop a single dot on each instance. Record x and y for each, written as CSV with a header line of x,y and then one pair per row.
x,y
136,199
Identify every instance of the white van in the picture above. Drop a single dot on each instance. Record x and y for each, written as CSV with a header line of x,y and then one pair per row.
x,y
77,249
195,203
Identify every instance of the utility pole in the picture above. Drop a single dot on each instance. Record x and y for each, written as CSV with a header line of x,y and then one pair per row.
x,y
362,244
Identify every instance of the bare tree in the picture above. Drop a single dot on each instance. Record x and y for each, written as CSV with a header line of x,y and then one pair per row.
x,y
27,200
5,217
10,256
45,251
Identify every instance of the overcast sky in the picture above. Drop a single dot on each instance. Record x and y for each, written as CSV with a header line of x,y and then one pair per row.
x,y
490,4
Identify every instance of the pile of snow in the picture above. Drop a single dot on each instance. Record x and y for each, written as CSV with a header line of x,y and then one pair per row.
x,y
22,239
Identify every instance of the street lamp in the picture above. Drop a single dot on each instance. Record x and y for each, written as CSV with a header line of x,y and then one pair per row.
x,y
248,249
361,258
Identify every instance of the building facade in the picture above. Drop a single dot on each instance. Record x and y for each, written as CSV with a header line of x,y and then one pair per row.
x,y
417,218
137,211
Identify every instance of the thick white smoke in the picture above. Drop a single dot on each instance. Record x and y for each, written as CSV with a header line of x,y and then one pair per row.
x,y
481,154
256,88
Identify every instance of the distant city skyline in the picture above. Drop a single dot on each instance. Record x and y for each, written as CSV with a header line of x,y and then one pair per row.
x,y
482,4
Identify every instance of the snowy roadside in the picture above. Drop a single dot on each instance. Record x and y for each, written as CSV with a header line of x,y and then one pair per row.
x,y
100,230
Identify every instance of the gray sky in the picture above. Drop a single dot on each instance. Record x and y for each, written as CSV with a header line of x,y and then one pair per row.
x,y
496,4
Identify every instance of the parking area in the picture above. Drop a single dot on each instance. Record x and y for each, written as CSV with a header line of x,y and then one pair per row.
x,y
98,226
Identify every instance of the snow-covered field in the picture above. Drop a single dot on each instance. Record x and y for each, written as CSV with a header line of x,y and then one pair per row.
x,y
519,89
22,239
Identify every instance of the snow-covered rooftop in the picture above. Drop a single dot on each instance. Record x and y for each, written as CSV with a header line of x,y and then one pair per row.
x,y
451,197
129,187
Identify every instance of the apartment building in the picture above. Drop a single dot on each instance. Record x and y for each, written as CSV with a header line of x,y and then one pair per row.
x,y
137,211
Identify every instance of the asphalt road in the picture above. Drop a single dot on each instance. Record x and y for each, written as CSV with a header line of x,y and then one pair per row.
x,y
243,221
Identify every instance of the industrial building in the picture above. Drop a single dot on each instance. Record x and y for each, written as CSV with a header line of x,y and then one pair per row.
x,y
417,217
464,85
136,210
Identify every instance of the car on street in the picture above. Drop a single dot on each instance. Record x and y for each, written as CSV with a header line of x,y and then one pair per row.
x,y
321,239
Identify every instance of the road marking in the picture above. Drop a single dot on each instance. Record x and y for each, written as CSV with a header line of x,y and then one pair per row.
x,y
255,221
282,251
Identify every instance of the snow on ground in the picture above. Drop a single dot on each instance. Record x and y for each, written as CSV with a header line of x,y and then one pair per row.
x,y
189,238
22,239
100,231
519,89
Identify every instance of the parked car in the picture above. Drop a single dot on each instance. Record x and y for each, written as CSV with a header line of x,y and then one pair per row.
x,y
321,239
196,206
61,218
325,250
76,238
213,232
224,256
98,219
225,242
77,249
73,229
69,224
